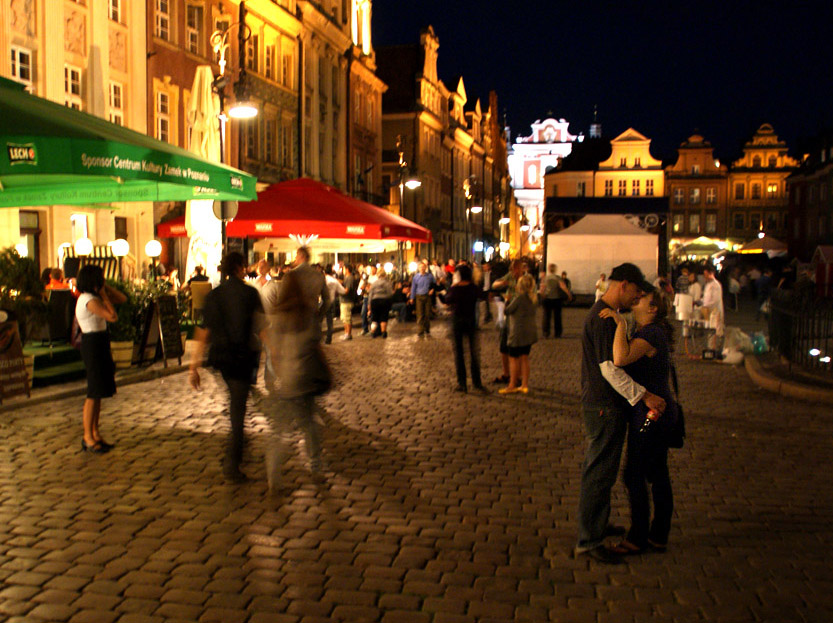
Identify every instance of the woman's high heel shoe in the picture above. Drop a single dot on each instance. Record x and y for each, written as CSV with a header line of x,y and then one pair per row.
x,y
96,448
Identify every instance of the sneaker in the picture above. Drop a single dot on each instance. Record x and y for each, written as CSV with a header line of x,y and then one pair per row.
x,y
328,340
365,332
346,337
461,389
385,334
235,476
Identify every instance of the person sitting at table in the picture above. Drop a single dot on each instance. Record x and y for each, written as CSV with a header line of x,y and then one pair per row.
x,y
56,280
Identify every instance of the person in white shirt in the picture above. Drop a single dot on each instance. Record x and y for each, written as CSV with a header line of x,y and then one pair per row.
x,y
601,286
334,288
713,301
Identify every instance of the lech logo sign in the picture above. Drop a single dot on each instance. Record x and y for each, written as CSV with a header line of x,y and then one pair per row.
x,y
22,153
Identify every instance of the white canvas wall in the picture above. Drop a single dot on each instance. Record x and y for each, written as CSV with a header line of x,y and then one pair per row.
x,y
596,244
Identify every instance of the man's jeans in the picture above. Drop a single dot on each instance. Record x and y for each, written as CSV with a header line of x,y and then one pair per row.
x,y
423,313
238,393
365,319
605,428
466,329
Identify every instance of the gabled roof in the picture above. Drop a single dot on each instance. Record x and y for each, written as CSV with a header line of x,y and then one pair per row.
x,y
630,135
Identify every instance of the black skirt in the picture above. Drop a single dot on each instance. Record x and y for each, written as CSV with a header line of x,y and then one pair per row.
x,y
98,360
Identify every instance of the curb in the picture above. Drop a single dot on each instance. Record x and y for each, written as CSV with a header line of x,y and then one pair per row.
x,y
128,379
790,389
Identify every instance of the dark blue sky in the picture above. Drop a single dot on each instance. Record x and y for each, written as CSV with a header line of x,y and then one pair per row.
x,y
665,69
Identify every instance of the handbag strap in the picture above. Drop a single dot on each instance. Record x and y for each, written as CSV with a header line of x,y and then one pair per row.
x,y
674,381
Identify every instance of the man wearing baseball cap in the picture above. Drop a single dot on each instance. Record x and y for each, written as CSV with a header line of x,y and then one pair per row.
x,y
606,392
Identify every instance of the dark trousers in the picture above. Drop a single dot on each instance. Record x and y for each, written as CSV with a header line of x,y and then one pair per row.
x,y
423,313
466,328
647,463
552,309
238,393
330,314
365,318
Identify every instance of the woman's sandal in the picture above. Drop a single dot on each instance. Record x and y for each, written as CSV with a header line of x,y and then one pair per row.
x,y
96,448
626,548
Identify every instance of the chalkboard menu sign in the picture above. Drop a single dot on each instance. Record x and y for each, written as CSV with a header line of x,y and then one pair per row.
x,y
160,331
168,316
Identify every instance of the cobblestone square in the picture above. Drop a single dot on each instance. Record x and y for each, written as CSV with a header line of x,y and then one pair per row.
x,y
438,507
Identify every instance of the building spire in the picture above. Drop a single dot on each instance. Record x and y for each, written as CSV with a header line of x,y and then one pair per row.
x,y
595,127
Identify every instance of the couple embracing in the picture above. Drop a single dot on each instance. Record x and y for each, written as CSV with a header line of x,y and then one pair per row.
x,y
622,380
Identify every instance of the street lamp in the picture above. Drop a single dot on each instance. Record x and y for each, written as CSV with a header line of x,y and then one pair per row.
x,y
120,247
153,249
406,180
243,107
469,187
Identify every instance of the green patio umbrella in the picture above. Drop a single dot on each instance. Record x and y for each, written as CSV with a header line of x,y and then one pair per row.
x,y
52,154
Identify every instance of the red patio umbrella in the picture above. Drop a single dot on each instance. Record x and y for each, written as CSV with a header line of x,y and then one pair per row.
x,y
305,207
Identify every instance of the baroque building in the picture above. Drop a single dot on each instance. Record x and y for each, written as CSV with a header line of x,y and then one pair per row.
x,y
697,187
810,192
89,56
531,157
458,155
758,187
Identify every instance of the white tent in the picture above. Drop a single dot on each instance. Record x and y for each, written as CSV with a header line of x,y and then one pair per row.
x,y
597,243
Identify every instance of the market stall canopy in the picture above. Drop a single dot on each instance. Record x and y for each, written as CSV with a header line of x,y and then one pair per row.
x,y
57,155
702,246
304,208
767,244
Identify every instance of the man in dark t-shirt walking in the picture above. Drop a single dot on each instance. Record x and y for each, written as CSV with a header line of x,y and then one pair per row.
x,y
606,394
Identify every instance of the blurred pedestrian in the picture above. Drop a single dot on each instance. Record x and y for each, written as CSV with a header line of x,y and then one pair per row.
x,y
381,300
601,286
334,289
422,287
348,300
506,286
553,293
233,317
93,310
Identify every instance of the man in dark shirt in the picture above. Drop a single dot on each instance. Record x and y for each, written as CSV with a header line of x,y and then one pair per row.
x,y
606,394
463,297
233,316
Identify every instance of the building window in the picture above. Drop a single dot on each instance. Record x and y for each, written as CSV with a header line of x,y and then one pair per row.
x,y
711,196
193,28
531,174
623,162
120,223
678,196
72,87
771,221
286,70
252,49
694,196
623,188
755,221
678,222
162,27
773,162
116,104
822,225
739,220
649,188
269,62
251,139
694,223
756,162
635,188
581,188
608,188
711,223
22,65
739,191
771,191
269,141
115,10
755,192
637,162
695,169
163,118
286,143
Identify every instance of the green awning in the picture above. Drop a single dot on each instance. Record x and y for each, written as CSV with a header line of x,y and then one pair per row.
x,y
52,154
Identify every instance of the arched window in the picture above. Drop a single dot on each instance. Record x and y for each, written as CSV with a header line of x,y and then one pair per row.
x,y
756,162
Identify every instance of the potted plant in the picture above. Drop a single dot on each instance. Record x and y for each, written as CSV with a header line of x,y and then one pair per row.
x,y
21,291
123,331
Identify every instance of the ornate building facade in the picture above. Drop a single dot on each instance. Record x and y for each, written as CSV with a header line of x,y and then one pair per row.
x,y
810,191
697,189
531,157
90,56
758,187
457,154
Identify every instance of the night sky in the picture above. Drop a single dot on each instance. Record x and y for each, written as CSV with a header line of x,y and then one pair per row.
x,y
666,69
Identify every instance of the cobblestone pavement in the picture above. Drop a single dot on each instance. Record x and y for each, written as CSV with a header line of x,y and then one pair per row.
x,y
439,507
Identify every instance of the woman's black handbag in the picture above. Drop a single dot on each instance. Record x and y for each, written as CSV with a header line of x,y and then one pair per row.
x,y
675,434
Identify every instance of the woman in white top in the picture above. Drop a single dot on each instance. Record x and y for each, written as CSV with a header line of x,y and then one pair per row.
x,y
94,310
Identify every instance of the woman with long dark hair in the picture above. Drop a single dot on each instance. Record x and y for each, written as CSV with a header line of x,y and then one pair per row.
x,y
94,309
646,357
